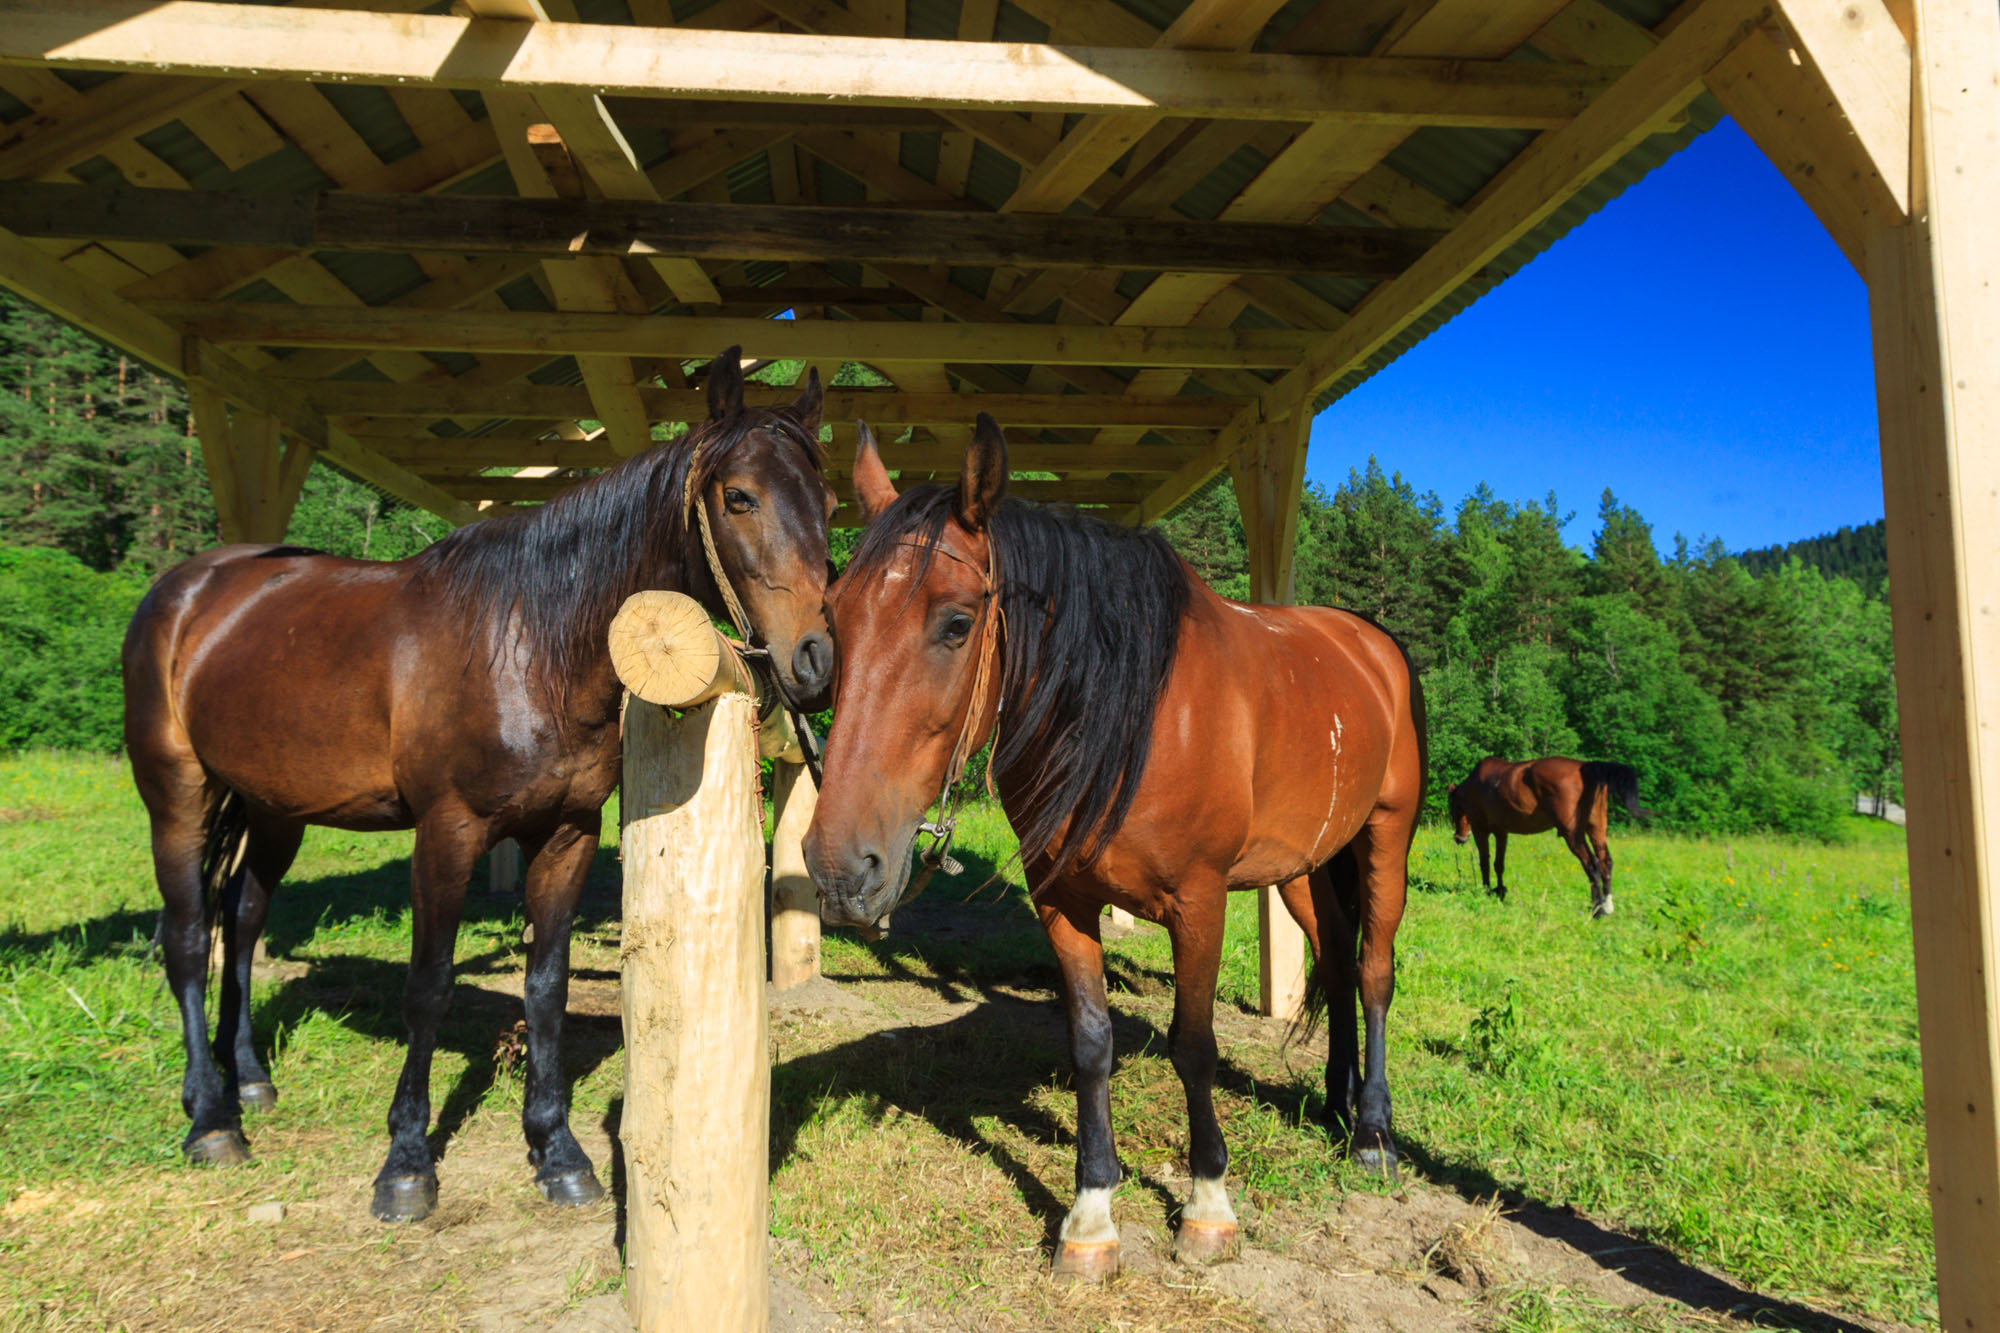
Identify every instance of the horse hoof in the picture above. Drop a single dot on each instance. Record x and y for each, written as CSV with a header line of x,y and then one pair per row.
x,y
1205,1242
257,1097
405,1198
1085,1261
1603,909
220,1147
1378,1160
573,1190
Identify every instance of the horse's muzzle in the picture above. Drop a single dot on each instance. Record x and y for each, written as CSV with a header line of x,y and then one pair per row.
x,y
861,885
811,678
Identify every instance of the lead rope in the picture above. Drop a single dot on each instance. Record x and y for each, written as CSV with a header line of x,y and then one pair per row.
x,y
938,854
690,501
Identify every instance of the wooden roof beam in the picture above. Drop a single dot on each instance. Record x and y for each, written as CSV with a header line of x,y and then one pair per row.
x,y
566,228
514,489
600,334
427,453
1544,175
259,42
445,398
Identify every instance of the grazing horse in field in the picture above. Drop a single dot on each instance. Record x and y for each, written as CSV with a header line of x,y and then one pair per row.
x,y
1541,794
1155,745
466,692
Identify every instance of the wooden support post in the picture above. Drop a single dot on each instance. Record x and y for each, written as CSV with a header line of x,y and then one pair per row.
x,y
794,898
1269,474
1934,293
254,480
696,1122
1120,918
503,869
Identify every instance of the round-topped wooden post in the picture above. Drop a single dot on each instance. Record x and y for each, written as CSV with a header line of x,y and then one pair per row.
x,y
695,1124
794,897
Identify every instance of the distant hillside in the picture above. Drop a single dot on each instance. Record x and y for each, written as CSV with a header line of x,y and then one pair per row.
x,y
1861,554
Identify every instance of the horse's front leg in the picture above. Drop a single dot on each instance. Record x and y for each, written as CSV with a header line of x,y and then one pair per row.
x,y
1480,840
1208,1230
1087,1248
1500,863
448,842
555,881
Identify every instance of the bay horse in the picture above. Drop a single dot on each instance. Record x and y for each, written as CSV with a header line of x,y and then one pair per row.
x,y
1155,746
466,692
1536,795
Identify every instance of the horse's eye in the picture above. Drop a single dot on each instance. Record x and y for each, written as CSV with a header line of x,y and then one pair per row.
x,y
738,502
956,627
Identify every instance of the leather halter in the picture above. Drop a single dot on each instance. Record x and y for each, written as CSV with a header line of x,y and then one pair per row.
x,y
691,504
939,853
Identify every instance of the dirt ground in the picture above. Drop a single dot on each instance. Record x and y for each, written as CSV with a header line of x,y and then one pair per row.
x,y
494,1259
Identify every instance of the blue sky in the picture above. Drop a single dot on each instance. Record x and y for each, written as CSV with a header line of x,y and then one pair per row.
x,y
1699,346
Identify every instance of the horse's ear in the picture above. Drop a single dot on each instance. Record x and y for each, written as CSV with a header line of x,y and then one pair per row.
x,y
725,384
873,490
983,480
805,408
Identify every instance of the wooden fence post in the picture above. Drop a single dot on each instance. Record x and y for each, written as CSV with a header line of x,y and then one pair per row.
x,y
695,1127
794,897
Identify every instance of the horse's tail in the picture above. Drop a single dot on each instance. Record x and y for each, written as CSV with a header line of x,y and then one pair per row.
x,y
225,839
1346,872
1620,781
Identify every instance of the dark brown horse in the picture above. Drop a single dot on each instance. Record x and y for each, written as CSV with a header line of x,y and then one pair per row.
x,y
467,693
1541,794
1156,745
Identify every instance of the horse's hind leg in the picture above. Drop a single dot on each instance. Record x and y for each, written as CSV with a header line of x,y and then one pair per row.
x,y
273,843
447,845
1336,888
1500,864
1604,907
1208,1229
1087,1245
555,881
1381,853
179,802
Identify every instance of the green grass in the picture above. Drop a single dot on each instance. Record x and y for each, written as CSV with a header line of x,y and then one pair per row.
x,y
1728,1067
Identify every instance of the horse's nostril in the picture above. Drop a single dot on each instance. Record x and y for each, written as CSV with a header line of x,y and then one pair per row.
x,y
813,660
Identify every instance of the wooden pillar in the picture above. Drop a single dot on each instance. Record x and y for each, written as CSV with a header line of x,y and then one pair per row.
x,y
695,1127
1120,918
794,897
1269,474
1934,291
253,475
503,868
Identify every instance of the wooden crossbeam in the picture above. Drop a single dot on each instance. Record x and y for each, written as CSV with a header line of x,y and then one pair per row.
x,y
562,228
429,453
444,398
259,42
240,322
1545,174
515,490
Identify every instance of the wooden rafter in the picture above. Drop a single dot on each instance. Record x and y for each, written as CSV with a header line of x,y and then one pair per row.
x,y
1538,181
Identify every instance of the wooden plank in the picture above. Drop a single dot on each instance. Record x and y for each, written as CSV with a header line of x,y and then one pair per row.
x,y
238,322
426,453
83,128
448,398
566,228
1544,175
265,43
218,458
1934,289
518,489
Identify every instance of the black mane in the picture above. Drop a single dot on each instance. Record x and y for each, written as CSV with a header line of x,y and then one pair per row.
x,y
1092,622
565,567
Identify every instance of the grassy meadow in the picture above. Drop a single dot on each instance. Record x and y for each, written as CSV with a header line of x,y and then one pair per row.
x,y
1728,1068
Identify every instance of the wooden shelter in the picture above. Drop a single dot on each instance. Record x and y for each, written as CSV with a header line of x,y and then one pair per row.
x,y
1151,236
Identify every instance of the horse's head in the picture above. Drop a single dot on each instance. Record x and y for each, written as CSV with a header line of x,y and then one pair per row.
x,y
757,476
919,689
1457,802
